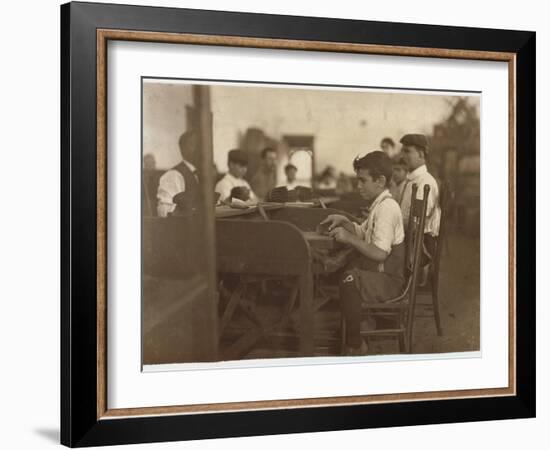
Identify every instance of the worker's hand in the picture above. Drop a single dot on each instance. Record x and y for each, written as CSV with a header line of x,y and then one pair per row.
x,y
340,234
333,221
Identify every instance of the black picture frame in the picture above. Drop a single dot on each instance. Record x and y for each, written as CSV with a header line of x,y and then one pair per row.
x,y
80,425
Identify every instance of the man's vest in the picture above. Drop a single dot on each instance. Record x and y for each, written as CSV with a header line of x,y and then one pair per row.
x,y
189,200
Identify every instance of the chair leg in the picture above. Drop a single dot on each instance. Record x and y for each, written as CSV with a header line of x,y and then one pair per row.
x,y
409,336
401,336
435,303
401,342
408,345
343,334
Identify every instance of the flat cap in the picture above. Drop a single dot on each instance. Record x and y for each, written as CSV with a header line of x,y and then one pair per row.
x,y
418,140
237,156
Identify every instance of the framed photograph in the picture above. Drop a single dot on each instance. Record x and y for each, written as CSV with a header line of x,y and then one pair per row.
x,y
277,224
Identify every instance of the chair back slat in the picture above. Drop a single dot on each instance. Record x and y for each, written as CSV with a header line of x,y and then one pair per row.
x,y
409,232
417,220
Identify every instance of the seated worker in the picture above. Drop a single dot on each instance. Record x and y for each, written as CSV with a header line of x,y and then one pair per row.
x,y
290,171
237,163
179,179
415,150
399,178
376,273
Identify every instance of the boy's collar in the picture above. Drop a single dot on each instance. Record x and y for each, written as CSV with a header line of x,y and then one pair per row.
x,y
232,176
385,193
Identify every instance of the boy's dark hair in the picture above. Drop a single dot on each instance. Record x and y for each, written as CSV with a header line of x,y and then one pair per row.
x,y
377,163
290,166
387,140
266,150
237,156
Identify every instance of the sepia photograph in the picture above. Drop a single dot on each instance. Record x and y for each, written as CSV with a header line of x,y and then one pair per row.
x,y
280,224
283,221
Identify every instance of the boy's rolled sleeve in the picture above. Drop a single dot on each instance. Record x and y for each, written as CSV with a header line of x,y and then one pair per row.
x,y
383,235
359,230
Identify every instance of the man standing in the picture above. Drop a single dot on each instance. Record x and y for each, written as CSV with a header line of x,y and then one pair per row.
x,y
265,178
237,164
181,179
414,150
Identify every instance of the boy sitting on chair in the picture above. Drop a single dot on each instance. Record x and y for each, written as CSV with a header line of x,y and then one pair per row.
x,y
376,275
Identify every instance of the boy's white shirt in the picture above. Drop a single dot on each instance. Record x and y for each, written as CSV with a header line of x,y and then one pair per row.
x,y
384,224
228,182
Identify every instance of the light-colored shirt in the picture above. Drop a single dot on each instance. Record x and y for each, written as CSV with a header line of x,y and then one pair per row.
x,y
228,182
291,185
170,184
420,176
384,224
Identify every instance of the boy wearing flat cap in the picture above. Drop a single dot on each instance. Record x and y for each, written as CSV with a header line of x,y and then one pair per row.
x,y
237,163
414,150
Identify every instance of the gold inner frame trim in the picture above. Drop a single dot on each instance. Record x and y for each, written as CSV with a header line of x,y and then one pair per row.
x,y
103,36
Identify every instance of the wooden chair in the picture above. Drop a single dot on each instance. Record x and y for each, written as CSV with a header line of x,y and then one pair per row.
x,y
432,287
400,311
